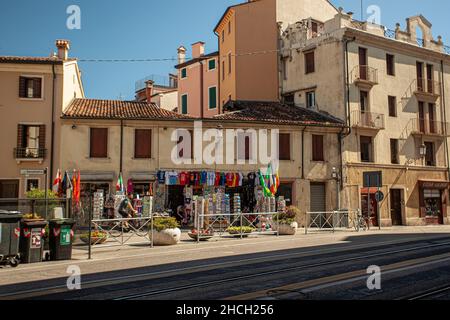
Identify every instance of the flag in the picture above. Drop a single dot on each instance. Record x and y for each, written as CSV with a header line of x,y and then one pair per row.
x,y
57,182
119,185
77,187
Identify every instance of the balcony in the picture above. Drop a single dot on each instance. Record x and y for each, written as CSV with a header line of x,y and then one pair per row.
x,y
427,89
29,154
423,127
368,120
365,77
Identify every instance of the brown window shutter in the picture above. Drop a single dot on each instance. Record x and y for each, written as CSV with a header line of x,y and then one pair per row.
x,y
247,148
42,137
285,146
20,129
143,144
37,86
317,143
99,143
309,62
22,87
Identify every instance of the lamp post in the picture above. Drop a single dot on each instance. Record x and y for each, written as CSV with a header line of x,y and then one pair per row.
x,y
336,176
423,152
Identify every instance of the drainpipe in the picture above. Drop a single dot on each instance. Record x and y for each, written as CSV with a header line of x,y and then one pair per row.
x,y
121,147
445,118
201,91
303,153
52,135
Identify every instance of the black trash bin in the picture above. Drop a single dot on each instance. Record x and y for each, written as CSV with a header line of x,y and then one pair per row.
x,y
60,239
32,241
9,238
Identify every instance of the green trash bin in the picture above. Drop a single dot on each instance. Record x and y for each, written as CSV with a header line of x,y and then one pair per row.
x,y
60,239
31,240
9,238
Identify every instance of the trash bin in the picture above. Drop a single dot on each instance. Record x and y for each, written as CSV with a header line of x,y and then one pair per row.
x,y
60,239
9,237
31,240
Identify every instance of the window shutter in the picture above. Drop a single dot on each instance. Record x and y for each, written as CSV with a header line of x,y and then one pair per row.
x,y
317,142
20,131
37,86
143,144
99,143
22,87
309,62
285,146
42,137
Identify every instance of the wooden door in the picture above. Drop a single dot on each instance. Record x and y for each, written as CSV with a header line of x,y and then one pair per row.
x,y
396,207
363,63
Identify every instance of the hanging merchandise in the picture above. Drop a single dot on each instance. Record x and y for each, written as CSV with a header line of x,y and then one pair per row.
x,y
159,197
147,204
188,205
161,176
98,205
236,204
130,187
281,204
118,198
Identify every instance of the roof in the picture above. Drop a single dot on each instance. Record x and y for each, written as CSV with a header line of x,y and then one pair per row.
x,y
201,58
33,60
276,113
118,110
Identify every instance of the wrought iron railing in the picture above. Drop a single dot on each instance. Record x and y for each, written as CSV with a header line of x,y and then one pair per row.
x,y
366,119
30,153
429,127
427,86
365,73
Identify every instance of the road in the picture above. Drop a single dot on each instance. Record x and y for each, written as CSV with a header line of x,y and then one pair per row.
x,y
410,270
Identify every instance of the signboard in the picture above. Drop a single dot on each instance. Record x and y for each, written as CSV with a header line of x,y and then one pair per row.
x,y
65,236
373,179
379,196
32,172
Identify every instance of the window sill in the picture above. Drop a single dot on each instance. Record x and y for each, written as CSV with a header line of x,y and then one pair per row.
x,y
31,99
142,159
99,159
319,161
40,160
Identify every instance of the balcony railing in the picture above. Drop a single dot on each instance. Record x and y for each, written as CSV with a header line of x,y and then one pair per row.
x,y
30,153
425,86
370,120
429,127
365,74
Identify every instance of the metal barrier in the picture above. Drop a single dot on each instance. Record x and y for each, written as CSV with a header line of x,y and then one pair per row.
x,y
219,225
42,207
332,220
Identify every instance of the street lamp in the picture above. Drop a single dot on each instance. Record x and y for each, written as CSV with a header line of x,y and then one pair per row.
x,y
423,150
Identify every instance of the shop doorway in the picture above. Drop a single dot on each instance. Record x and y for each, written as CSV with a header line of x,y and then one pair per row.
x,y
396,196
175,199
9,189
369,205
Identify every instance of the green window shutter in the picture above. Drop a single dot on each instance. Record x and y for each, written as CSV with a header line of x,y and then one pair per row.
x,y
213,98
184,104
183,73
212,64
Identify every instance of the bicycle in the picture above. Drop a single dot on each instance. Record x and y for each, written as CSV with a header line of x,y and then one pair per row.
x,y
362,223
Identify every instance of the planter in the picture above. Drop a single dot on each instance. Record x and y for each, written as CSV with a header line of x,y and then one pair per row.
x,y
432,220
167,237
286,229
94,239
203,237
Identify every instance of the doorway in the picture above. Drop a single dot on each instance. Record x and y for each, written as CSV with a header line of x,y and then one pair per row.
x,y
369,206
363,63
9,189
396,207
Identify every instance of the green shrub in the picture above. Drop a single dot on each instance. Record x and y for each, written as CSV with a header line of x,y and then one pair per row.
x,y
288,217
239,230
39,196
162,223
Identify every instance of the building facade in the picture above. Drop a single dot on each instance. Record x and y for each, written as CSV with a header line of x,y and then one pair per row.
x,y
391,87
198,82
164,93
34,93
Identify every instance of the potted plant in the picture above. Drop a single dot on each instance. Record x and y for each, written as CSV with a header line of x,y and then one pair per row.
x,y
204,234
286,222
97,237
166,231
244,231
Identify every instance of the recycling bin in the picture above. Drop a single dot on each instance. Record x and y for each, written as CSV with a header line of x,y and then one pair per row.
x,y
9,237
60,239
31,240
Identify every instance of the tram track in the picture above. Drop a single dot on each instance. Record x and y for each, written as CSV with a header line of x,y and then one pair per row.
x,y
424,295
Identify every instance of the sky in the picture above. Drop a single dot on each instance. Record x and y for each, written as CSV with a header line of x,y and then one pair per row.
x,y
150,29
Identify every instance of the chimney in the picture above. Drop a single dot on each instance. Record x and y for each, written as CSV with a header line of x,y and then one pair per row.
x,y
181,55
149,90
63,49
198,49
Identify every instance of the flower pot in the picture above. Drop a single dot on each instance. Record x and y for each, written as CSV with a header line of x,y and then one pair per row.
x,y
167,237
432,220
286,229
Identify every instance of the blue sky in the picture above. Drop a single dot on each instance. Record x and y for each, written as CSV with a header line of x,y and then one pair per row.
x,y
141,29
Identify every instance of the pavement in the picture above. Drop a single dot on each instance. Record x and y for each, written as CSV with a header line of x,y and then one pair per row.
x,y
131,261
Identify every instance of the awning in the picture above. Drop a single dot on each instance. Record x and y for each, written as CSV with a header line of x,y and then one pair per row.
x,y
97,176
434,184
142,176
365,191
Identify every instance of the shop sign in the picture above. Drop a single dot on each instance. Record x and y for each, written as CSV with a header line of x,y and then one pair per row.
x,y
434,184
65,236
36,238
32,172
379,196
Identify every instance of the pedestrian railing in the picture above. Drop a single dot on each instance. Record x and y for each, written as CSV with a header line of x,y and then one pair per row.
x,y
331,221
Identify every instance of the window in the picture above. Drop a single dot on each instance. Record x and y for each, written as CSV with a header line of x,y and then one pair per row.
x,y
364,101
184,104
390,64
99,143
285,190
32,184
229,63
394,152
289,99
223,70
183,73
212,64
212,92
314,28
430,157
311,100
243,146
309,62
143,143
392,103
30,87
229,27
30,141
285,146
317,148
366,149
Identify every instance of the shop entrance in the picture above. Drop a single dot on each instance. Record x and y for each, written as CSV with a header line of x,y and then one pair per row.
x,y
175,199
396,207
369,205
433,206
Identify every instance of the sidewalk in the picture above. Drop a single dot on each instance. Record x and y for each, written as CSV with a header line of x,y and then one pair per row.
x,y
191,254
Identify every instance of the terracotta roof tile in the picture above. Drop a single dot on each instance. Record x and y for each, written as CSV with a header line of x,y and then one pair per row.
x,y
277,113
40,60
121,110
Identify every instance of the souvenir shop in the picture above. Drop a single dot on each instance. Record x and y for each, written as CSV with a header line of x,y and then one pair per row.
x,y
177,192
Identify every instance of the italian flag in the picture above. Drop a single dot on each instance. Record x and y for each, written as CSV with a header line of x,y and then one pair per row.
x,y
119,185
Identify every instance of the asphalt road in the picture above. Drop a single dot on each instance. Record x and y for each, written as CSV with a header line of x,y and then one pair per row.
x,y
409,271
